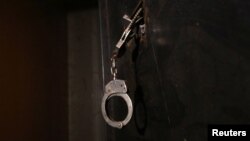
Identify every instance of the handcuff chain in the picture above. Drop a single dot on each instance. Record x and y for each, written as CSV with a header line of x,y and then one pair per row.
x,y
113,67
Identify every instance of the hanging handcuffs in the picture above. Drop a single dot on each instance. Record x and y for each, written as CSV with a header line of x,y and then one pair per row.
x,y
117,87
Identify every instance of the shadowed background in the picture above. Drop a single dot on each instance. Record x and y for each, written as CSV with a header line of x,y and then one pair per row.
x,y
36,47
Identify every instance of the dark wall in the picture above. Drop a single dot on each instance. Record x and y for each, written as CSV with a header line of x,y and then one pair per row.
x,y
50,76
192,68
33,74
85,76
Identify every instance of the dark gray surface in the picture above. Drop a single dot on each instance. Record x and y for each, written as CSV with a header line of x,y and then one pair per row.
x,y
192,69
85,81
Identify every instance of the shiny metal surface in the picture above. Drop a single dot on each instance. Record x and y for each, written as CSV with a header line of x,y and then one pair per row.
x,y
116,88
129,28
192,69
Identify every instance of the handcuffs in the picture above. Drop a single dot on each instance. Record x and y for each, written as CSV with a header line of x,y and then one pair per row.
x,y
117,87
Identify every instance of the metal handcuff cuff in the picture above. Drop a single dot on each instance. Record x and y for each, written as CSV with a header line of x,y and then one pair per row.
x,y
117,87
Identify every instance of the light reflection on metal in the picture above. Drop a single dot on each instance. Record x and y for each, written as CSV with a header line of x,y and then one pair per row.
x,y
116,87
